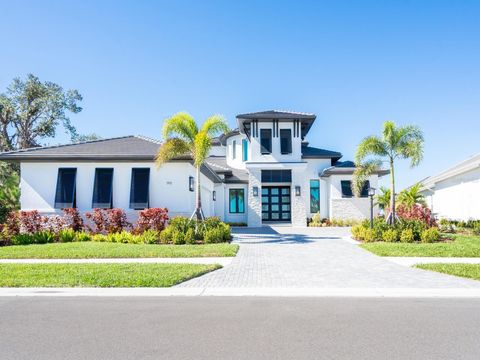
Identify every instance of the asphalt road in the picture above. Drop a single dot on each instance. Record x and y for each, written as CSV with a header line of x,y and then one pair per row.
x,y
238,328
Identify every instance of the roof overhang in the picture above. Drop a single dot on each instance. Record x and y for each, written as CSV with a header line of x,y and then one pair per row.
x,y
348,171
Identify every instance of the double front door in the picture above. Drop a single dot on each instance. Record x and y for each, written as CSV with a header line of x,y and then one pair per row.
x,y
276,204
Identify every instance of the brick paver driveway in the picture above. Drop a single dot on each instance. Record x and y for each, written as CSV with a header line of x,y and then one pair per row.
x,y
314,257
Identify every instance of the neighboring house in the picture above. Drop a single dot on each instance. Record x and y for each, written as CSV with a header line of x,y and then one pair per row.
x,y
260,173
455,193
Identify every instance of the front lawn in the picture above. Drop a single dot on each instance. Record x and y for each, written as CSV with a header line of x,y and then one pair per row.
x,y
471,271
461,246
88,250
99,275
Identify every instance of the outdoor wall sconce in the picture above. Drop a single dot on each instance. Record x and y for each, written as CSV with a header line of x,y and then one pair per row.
x,y
214,195
297,191
191,183
255,191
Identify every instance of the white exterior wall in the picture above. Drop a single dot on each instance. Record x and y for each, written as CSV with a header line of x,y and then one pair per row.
x,y
236,163
348,208
456,198
168,186
236,217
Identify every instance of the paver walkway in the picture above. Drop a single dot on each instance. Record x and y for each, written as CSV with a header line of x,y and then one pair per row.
x,y
287,257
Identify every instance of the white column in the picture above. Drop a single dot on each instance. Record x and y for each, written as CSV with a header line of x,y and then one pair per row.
x,y
254,203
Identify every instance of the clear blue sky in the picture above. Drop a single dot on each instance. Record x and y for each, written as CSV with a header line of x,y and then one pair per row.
x,y
355,64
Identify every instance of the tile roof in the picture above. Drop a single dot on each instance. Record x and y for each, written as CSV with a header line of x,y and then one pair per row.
x,y
313,152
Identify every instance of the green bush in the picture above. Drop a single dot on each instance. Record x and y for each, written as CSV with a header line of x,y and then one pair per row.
x,y
407,236
368,235
430,235
417,227
214,235
357,232
43,237
67,235
390,235
82,236
99,238
166,236
150,237
22,239
190,237
476,229
178,237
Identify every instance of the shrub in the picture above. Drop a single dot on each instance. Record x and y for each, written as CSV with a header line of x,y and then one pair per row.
x,y
82,236
178,238
416,226
43,237
22,239
72,219
151,219
30,222
190,237
476,229
108,221
430,235
150,236
166,235
407,236
53,224
67,235
391,235
416,212
212,236
357,232
368,235
99,238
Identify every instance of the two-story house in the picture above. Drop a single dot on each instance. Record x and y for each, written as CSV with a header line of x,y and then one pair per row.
x,y
263,172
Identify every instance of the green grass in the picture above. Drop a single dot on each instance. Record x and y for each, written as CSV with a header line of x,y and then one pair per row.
x,y
471,271
88,250
462,246
99,275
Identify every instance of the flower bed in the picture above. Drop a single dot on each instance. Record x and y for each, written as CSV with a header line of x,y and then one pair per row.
x,y
110,225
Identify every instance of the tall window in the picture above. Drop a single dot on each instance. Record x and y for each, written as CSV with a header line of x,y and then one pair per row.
x,y
65,194
314,196
347,189
237,201
102,189
244,149
266,141
286,141
234,149
139,192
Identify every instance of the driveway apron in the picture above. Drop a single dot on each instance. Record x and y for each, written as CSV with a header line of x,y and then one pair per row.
x,y
284,257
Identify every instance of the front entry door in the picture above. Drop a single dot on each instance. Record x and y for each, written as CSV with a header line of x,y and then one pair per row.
x,y
276,203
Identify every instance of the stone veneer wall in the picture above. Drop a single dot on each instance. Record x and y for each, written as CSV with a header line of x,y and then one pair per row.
x,y
351,208
299,211
254,209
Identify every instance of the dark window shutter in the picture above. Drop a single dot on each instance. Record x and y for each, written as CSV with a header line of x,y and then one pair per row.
x,y
66,188
102,189
139,188
266,141
286,141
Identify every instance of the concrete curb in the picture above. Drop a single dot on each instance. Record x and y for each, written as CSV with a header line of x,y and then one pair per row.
x,y
199,260
249,292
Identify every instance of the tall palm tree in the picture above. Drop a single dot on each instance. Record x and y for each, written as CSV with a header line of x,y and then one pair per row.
x,y
182,137
411,196
403,142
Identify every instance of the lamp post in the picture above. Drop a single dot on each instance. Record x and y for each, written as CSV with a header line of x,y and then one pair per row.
x,y
371,193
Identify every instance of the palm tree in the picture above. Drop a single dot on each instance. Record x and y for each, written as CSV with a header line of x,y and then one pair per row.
x,y
182,137
383,199
404,142
411,196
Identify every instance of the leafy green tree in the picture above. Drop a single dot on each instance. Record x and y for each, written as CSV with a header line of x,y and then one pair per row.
x,y
404,142
9,190
31,110
411,196
182,137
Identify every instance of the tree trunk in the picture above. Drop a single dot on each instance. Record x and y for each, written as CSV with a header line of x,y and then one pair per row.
x,y
198,213
392,216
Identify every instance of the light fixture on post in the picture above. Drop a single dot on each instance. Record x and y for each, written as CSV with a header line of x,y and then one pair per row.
x,y
298,191
255,191
191,183
214,195
371,194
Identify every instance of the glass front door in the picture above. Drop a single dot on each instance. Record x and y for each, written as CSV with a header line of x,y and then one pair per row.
x,y
276,203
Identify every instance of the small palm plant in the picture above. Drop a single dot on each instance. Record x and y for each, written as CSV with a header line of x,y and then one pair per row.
x,y
383,199
404,142
411,196
182,137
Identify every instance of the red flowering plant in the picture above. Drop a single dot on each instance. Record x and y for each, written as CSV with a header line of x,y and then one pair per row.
x,y
107,221
416,212
30,222
151,219
11,226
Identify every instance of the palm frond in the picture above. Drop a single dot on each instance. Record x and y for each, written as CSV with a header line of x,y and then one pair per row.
x,y
170,149
362,173
410,144
370,146
180,125
214,125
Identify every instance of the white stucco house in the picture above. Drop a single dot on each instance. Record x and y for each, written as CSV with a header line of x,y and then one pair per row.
x,y
260,173
455,193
